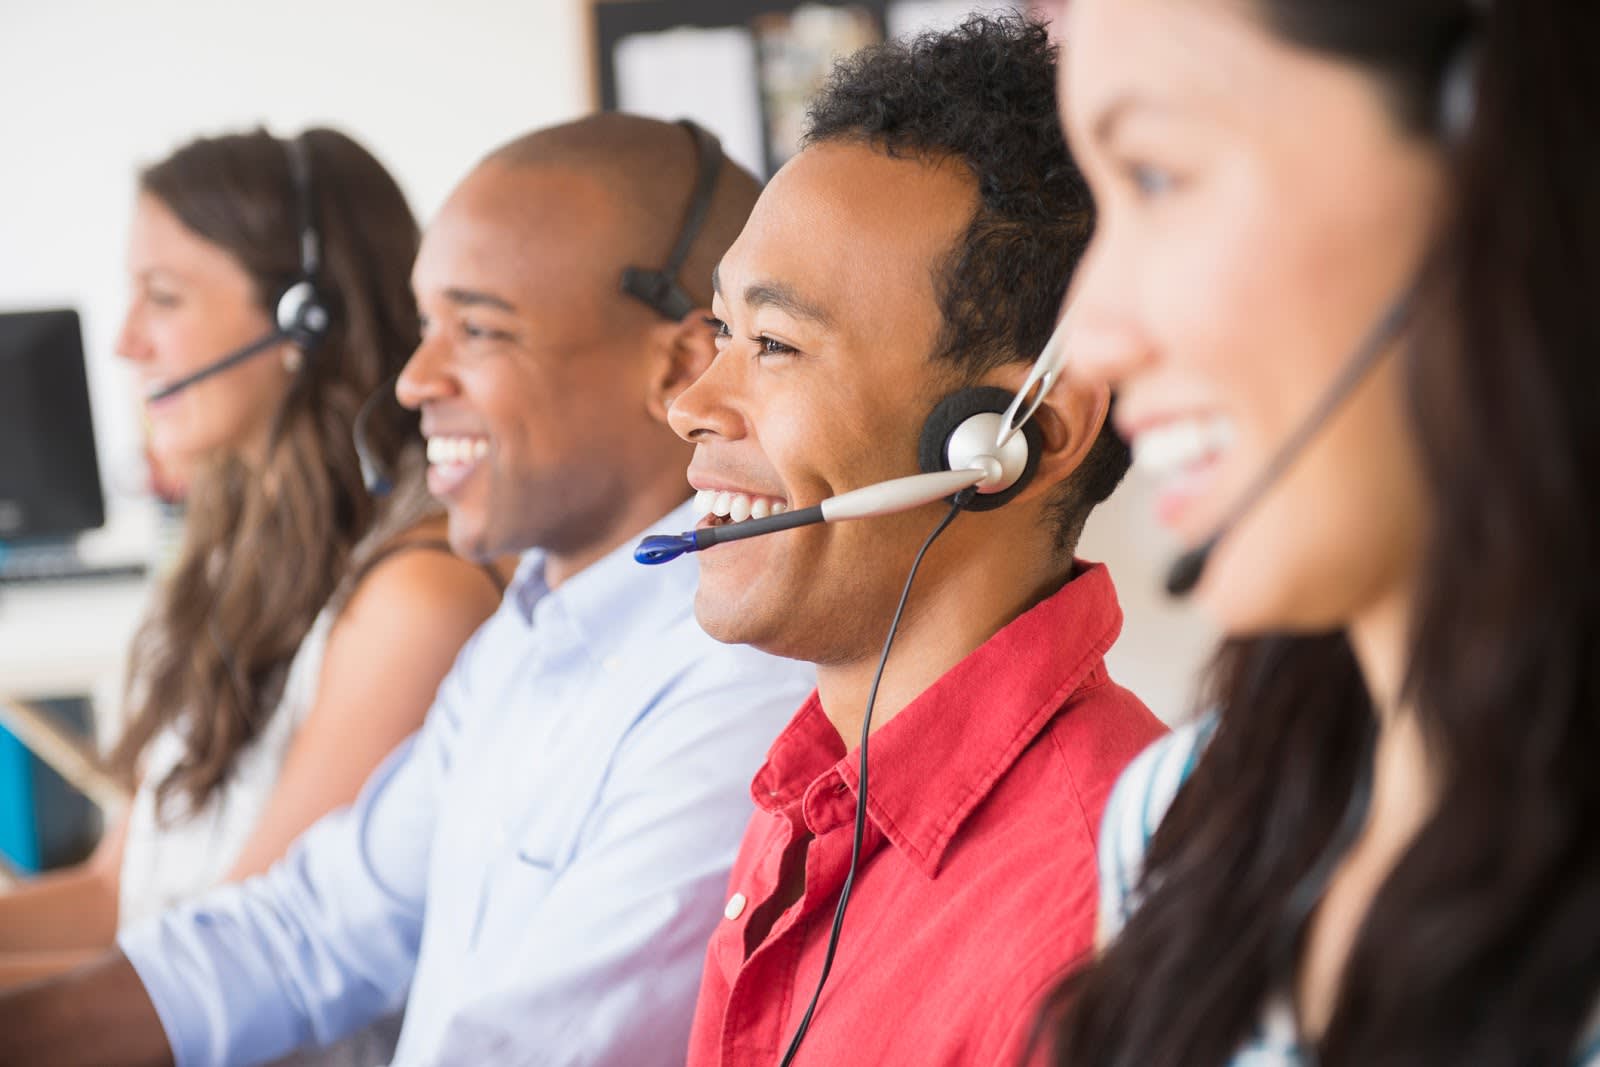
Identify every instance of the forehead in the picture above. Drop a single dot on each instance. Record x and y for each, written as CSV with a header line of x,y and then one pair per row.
x,y
159,243
155,228
855,233
1193,55
539,236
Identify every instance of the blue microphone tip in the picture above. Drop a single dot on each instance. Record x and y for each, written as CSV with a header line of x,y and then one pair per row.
x,y
662,548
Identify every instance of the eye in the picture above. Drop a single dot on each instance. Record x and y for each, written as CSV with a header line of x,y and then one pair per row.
x,y
769,346
719,329
474,331
1150,181
161,298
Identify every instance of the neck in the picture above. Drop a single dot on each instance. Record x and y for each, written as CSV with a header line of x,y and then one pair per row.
x,y
963,596
644,506
1380,637
1404,779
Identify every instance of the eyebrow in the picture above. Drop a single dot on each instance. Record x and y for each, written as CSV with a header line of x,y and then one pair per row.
x,y
147,273
776,295
1106,122
478,298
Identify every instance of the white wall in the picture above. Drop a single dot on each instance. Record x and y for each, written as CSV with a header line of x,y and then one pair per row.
x,y
92,89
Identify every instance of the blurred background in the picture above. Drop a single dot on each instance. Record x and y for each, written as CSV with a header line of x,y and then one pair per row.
x,y
94,89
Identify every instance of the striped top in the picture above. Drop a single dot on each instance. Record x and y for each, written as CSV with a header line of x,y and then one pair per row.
x,y
1137,805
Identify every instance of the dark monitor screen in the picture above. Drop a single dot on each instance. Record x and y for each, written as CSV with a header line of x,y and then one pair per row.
x,y
49,478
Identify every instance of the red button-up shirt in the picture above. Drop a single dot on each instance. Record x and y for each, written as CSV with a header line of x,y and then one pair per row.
x,y
977,884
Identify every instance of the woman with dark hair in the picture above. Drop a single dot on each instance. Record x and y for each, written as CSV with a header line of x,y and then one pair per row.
x,y
1383,846
305,625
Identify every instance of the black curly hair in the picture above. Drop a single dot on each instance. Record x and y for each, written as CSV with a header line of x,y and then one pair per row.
x,y
984,93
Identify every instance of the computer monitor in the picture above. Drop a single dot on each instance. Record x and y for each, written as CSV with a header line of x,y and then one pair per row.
x,y
49,477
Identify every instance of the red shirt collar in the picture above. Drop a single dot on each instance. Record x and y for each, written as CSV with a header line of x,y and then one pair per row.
x,y
936,761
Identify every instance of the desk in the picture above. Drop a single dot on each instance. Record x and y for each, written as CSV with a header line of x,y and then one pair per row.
x,y
71,639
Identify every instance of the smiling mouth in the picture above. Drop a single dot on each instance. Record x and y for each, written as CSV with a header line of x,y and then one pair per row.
x,y
722,508
1181,445
452,459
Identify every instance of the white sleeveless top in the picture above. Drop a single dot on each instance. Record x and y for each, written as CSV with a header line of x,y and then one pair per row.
x,y
164,864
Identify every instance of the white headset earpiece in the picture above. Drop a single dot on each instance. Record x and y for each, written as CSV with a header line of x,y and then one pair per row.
x,y
962,431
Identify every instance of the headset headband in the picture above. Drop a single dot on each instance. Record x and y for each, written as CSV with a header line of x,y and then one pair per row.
x,y
302,313
300,177
659,289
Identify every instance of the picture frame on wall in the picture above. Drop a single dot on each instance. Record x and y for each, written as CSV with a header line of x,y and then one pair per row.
x,y
744,69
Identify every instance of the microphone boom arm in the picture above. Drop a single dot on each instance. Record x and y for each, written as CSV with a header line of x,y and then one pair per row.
x,y
883,498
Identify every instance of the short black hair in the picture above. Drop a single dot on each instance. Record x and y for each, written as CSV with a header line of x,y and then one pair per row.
x,y
985,93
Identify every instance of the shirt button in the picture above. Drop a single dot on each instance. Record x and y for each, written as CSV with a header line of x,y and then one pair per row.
x,y
735,906
611,664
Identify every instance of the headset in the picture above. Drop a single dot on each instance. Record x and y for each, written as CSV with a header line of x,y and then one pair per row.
x,y
970,446
658,289
302,315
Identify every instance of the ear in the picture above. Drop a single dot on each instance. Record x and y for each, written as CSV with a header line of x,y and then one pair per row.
x,y
1069,420
684,350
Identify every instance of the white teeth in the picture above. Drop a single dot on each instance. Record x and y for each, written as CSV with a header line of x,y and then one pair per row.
x,y
1182,443
736,507
448,450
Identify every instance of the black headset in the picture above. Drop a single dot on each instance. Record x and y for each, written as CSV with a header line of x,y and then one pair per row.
x,y
301,314
659,289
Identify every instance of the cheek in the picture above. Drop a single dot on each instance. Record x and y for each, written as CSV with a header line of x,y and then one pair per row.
x,y
1341,534
826,445
238,405
1225,292
545,429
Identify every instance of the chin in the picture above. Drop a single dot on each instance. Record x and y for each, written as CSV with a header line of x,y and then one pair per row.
x,y
468,541
1248,601
735,620
731,627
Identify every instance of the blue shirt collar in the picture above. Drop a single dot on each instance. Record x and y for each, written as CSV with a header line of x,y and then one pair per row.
x,y
612,599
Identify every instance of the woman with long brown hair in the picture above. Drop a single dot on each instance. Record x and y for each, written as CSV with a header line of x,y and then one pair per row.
x,y
304,627
1383,846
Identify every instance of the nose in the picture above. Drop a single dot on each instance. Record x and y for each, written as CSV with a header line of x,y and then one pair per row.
x,y
133,340
709,406
1105,345
426,375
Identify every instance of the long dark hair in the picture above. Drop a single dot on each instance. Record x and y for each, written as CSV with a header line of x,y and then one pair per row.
x,y
267,544
1482,947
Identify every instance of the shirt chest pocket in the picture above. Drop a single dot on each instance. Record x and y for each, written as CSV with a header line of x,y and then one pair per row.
x,y
528,861
549,799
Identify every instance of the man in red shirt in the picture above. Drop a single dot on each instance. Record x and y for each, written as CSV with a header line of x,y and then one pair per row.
x,y
921,243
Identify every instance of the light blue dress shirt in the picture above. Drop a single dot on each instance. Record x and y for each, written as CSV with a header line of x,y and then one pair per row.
x,y
533,875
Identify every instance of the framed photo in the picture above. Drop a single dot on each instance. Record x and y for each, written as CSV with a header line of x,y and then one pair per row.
x,y
744,69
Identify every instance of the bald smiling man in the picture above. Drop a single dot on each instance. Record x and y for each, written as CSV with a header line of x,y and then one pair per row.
x,y
533,876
